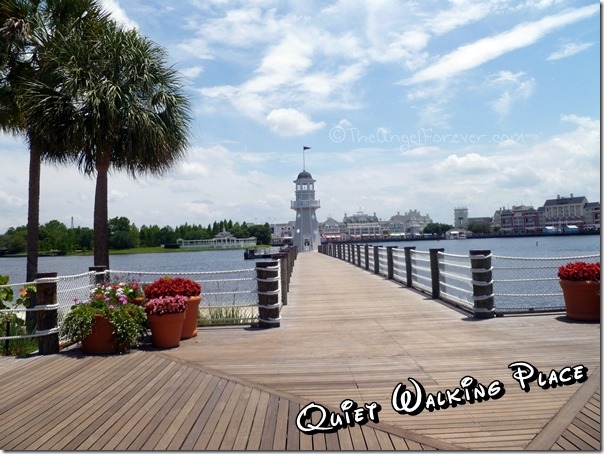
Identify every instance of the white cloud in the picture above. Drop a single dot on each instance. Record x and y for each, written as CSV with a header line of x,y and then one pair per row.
x,y
192,72
475,54
118,13
514,87
291,122
568,50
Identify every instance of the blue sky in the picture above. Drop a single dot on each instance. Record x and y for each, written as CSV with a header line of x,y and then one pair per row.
x,y
423,105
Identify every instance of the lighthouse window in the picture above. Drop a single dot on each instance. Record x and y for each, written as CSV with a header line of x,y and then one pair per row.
x,y
310,186
304,187
298,187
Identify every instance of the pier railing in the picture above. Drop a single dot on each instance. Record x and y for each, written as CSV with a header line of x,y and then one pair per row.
x,y
245,296
481,283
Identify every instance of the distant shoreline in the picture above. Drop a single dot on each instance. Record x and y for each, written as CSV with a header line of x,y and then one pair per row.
x,y
144,250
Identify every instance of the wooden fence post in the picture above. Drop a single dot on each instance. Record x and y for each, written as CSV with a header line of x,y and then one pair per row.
x,y
366,256
376,259
46,295
435,272
267,278
359,255
409,265
482,283
390,260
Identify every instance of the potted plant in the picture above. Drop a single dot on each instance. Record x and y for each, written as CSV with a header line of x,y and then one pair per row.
x,y
108,322
177,286
166,315
580,282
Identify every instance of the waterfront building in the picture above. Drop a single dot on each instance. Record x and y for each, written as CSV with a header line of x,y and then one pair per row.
x,y
306,233
522,219
592,215
282,233
223,240
409,224
563,211
461,217
331,229
361,224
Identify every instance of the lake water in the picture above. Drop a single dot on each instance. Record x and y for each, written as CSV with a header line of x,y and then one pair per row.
x,y
566,246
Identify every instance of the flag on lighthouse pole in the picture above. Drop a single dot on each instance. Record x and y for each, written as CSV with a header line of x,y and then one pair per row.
x,y
304,157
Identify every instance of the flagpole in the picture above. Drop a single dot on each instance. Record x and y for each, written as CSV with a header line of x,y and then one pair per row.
x,y
304,157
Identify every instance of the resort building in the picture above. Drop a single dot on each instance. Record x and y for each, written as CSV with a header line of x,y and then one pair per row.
x,y
591,217
409,224
521,219
461,217
563,211
332,229
361,224
223,240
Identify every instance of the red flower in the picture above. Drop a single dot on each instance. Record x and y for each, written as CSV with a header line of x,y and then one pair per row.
x,y
580,271
167,286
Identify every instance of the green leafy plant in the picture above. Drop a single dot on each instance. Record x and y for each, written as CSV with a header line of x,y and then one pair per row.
x,y
225,316
128,320
10,323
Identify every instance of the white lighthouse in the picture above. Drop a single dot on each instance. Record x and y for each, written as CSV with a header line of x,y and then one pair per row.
x,y
306,234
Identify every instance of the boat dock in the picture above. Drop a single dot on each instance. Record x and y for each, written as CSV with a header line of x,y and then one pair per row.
x,y
344,334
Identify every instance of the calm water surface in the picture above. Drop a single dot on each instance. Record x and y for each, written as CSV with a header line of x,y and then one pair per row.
x,y
233,259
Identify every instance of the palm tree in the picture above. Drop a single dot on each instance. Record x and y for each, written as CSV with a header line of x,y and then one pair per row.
x,y
27,29
121,105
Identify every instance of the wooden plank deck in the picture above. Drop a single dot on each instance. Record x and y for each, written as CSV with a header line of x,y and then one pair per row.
x,y
345,334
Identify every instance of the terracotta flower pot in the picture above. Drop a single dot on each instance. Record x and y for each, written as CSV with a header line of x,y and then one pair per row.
x,y
582,300
100,340
189,326
166,329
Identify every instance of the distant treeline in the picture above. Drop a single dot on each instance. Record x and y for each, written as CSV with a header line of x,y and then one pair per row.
x,y
57,237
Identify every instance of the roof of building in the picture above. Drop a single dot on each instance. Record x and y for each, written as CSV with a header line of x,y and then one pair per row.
x,y
304,175
564,201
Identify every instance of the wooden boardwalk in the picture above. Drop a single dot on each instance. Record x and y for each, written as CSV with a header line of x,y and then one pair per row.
x,y
345,334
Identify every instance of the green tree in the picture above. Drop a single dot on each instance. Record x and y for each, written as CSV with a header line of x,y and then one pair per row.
x,y
479,228
261,232
54,237
437,228
125,107
28,28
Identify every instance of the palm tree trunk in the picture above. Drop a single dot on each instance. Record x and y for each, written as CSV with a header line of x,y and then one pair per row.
x,y
101,215
33,211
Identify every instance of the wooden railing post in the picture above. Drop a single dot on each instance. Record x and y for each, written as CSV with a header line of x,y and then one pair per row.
x,y
390,260
267,278
482,283
359,255
435,272
46,319
366,256
376,259
409,265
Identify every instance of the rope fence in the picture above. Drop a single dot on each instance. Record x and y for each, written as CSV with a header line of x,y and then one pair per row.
x,y
228,297
480,282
